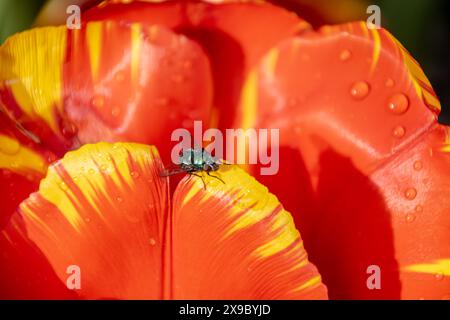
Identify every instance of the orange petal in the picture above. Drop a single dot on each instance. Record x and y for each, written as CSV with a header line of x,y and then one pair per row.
x,y
102,208
357,120
234,240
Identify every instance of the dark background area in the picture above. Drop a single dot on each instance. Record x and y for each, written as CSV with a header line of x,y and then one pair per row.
x,y
422,26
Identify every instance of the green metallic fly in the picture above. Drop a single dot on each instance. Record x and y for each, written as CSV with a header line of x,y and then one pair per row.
x,y
194,161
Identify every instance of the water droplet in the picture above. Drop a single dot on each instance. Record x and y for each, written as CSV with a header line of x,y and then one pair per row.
x,y
398,103
178,78
135,174
98,101
115,111
410,193
91,171
87,219
9,146
69,130
390,83
345,55
360,90
419,208
162,101
63,186
187,64
418,165
119,199
152,241
119,76
410,218
103,167
398,132
439,276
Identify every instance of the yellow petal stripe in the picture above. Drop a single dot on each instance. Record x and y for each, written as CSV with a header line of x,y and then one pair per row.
x,y
31,66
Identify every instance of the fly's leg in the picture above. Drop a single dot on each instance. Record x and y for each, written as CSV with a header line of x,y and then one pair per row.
x,y
197,175
207,172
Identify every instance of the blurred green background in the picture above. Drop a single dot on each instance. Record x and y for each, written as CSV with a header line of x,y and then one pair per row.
x,y
422,26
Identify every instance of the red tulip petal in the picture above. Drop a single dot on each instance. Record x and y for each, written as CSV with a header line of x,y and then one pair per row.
x,y
107,82
102,208
234,240
31,83
134,83
231,45
23,164
355,111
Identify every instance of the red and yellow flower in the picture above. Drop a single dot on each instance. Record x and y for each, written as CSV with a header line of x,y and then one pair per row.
x,y
364,164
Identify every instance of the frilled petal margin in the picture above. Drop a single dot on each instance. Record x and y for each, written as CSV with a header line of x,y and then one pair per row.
x,y
359,133
105,209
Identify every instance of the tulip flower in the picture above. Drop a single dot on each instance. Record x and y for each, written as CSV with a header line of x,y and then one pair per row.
x,y
86,120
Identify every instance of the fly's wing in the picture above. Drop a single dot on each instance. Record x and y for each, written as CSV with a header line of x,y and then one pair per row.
x,y
172,170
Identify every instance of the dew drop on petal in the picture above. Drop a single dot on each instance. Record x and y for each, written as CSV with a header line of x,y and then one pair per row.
x,y
418,165
419,208
135,174
360,90
119,76
390,83
152,241
119,199
410,193
439,276
98,101
398,103
69,130
115,111
63,186
398,132
345,55
178,78
410,218
187,64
